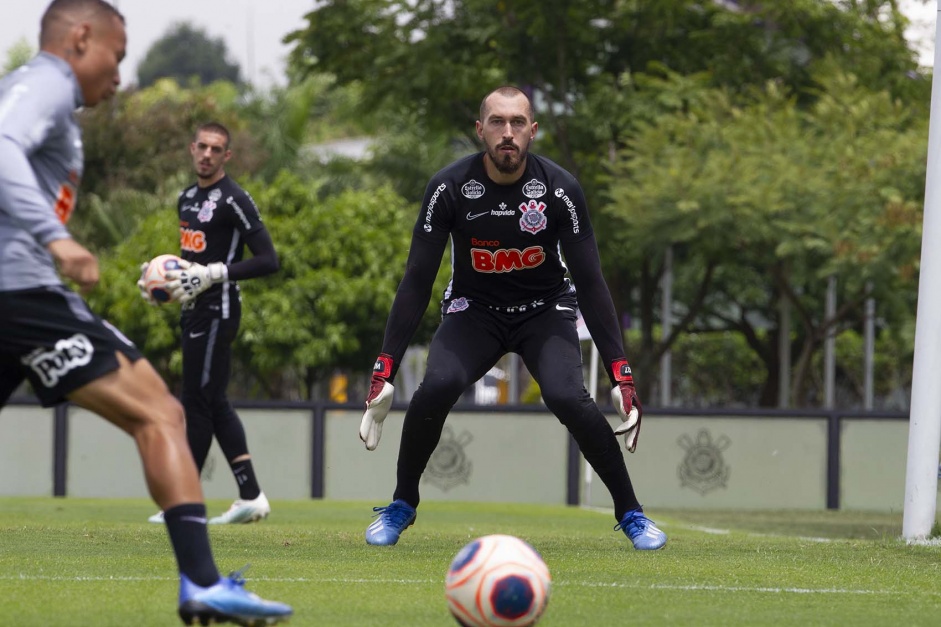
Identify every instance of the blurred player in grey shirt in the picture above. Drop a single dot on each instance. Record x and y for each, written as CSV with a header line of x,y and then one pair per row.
x,y
48,334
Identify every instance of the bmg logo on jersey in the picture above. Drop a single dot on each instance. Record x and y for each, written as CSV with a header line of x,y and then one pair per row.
x,y
68,354
506,259
192,240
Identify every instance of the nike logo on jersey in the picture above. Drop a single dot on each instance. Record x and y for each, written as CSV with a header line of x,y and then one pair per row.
x,y
196,335
561,308
476,215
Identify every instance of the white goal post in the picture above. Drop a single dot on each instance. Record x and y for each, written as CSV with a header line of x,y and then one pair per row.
x,y
924,431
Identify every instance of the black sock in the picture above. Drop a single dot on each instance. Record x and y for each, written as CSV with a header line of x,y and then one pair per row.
x,y
407,491
245,476
186,525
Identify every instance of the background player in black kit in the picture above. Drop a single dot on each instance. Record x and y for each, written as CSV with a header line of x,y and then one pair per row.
x,y
509,215
217,220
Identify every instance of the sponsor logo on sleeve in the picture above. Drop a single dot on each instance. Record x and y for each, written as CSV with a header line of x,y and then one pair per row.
x,y
65,202
534,189
239,212
472,189
560,193
430,210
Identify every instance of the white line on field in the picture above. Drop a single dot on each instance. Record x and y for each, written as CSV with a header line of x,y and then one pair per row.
x,y
714,531
580,584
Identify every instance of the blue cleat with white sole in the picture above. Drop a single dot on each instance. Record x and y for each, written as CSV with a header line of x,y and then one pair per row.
x,y
228,601
641,531
390,522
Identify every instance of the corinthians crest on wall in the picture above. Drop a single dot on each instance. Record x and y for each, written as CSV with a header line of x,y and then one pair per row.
x,y
703,468
449,465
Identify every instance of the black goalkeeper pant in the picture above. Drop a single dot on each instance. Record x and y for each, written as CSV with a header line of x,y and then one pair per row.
x,y
466,345
207,364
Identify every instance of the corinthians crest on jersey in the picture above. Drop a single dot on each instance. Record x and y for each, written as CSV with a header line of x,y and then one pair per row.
x,y
534,217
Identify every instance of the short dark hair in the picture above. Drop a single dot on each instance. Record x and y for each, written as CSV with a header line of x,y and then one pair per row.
x,y
507,91
60,12
214,127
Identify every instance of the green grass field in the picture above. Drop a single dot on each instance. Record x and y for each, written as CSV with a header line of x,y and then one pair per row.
x,y
98,562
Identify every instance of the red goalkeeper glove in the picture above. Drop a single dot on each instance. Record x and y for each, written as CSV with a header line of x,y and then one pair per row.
x,y
624,397
378,402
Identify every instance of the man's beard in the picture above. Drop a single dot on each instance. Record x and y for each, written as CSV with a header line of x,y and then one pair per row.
x,y
507,162
206,174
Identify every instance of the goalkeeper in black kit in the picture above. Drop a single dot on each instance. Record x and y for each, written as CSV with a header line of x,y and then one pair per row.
x,y
217,220
510,216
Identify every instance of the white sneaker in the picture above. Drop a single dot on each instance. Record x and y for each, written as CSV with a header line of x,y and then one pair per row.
x,y
157,518
244,512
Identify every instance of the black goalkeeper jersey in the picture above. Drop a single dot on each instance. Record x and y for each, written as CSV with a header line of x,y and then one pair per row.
x,y
505,239
507,246
214,222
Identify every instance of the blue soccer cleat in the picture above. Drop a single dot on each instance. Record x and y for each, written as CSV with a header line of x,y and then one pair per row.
x,y
390,522
641,531
226,601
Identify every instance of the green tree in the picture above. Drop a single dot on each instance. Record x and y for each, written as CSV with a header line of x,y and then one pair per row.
x,y
281,120
762,203
141,138
186,53
342,258
578,57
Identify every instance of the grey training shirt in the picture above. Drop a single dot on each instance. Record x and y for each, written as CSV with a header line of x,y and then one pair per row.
x,y
40,168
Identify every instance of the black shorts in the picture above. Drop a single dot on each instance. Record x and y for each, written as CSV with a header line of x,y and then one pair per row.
x,y
50,336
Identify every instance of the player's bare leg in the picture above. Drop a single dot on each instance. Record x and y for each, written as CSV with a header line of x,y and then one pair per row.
x,y
136,399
